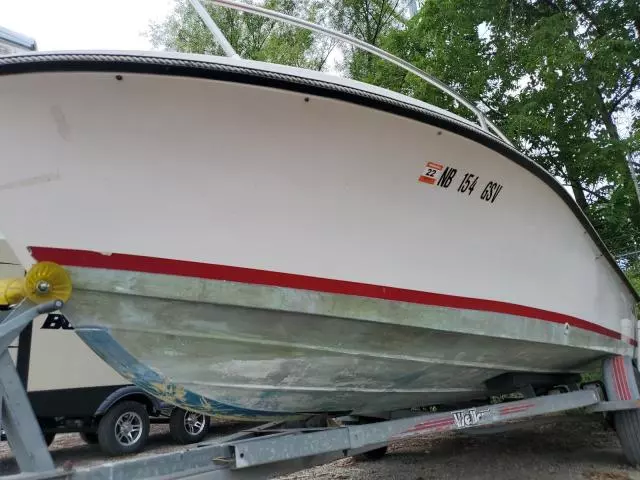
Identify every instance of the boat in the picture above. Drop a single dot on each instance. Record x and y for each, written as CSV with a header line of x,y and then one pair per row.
x,y
257,241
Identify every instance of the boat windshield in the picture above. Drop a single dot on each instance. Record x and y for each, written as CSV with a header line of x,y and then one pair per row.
x,y
484,123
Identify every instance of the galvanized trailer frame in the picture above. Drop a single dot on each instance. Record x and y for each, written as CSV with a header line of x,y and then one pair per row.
x,y
279,447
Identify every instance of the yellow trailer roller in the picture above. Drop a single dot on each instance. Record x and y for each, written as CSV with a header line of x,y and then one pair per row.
x,y
45,281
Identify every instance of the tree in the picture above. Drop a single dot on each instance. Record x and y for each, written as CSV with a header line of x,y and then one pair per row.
x,y
252,36
368,20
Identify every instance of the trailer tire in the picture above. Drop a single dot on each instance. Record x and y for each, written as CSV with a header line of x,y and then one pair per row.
x,y
610,420
375,454
188,427
627,426
124,428
90,438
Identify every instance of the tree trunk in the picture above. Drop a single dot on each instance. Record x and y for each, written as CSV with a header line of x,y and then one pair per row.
x,y
576,187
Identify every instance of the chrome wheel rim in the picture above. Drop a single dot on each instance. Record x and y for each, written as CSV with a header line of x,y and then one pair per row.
x,y
194,423
128,428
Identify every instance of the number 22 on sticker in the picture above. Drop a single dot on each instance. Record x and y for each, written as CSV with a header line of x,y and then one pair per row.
x,y
429,173
468,183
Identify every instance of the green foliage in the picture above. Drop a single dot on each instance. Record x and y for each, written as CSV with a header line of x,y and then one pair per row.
x,y
633,272
252,36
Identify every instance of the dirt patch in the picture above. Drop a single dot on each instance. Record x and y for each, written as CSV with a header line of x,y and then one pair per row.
x,y
607,476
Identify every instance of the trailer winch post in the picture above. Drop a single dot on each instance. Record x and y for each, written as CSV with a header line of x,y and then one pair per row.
x,y
16,414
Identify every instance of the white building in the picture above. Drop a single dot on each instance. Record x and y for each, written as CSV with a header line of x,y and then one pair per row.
x,y
13,42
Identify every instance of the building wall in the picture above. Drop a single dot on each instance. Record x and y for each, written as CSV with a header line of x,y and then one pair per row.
x,y
9,264
13,42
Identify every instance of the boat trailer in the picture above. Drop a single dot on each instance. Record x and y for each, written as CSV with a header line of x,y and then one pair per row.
x,y
280,448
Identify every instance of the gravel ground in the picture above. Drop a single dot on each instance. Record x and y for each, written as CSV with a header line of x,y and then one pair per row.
x,y
563,447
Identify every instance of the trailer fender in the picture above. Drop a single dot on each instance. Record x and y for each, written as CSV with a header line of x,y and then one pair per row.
x,y
128,392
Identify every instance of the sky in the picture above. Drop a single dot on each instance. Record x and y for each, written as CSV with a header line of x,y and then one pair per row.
x,y
84,24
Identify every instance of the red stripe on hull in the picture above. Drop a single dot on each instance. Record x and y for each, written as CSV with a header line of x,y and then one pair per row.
x,y
138,263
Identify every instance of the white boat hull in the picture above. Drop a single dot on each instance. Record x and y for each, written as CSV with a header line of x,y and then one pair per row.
x,y
355,218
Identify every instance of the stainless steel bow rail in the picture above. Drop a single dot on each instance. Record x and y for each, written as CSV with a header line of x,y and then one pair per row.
x,y
279,448
483,121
